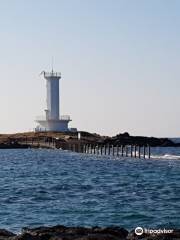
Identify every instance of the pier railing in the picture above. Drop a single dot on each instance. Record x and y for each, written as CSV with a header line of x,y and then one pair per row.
x,y
133,151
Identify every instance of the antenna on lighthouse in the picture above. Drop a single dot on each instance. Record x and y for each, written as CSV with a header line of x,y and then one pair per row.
x,y
52,63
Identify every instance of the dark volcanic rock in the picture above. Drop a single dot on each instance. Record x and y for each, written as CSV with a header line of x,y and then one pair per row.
x,y
5,233
115,231
27,236
99,237
13,145
126,139
83,233
74,233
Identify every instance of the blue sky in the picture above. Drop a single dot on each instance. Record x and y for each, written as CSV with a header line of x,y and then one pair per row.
x,y
119,61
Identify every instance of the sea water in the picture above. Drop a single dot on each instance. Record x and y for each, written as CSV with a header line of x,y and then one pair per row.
x,y
48,187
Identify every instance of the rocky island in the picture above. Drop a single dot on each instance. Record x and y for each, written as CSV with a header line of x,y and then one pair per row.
x,y
20,140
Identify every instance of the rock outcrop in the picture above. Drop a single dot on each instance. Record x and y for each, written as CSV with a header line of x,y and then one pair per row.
x,y
126,139
83,233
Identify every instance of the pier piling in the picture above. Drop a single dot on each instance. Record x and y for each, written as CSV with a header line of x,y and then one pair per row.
x,y
144,152
139,150
94,149
126,151
135,151
117,149
149,151
131,150
109,150
101,149
122,150
113,150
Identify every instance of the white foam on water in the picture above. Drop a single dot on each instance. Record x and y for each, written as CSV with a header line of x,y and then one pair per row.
x,y
166,156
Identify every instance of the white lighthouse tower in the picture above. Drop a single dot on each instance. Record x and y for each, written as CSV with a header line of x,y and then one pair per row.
x,y
52,121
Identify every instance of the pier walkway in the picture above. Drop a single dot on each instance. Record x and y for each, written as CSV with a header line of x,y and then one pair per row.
x,y
132,151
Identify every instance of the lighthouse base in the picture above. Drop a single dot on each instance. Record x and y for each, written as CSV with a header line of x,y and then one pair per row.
x,y
52,125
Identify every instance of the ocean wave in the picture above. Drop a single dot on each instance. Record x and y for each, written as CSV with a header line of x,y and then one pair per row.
x,y
166,156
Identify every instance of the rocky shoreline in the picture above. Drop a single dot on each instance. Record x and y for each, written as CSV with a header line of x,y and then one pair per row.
x,y
60,232
20,140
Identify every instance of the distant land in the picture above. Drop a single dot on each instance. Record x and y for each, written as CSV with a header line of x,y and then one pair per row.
x,y
16,140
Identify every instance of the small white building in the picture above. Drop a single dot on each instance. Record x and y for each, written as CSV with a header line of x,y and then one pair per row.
x,y
52,121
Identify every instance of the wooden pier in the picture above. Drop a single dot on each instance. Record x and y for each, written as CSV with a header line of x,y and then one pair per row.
x,y
131,151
